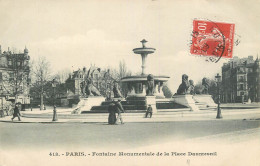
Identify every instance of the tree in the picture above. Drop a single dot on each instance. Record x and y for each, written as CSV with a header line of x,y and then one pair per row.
x,y
41,75
212,88
108,79
198,88
62,75
123,72
166,91
109,75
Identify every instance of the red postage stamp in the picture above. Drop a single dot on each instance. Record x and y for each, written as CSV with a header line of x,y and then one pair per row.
x,y
212,38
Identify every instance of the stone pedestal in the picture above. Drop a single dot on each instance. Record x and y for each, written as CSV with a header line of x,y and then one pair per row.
x,y
186,100
205,99
85,104
150,100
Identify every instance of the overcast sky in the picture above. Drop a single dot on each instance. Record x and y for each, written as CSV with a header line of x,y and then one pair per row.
x,y
79,32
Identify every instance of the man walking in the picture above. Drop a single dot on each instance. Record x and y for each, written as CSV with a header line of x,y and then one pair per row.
x,y
17,111
149,111
119,109
112,114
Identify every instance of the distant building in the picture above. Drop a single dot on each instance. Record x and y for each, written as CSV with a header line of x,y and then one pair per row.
x,y
14,76
240,80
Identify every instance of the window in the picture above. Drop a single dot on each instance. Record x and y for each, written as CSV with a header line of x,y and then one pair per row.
x,y
1,77
242,93
241,86
241,78
11,76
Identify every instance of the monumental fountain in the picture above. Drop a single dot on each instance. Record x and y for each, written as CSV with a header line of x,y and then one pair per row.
x,y
143,90
137,85
145,87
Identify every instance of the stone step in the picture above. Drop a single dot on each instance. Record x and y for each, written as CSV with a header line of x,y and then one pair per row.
x,y
136,98
128,102
126,107
168,105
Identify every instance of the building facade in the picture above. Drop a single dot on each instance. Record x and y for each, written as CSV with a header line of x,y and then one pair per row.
x,y
14,77
240,80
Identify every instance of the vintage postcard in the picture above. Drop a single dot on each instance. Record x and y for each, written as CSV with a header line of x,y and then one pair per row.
x,y
120,82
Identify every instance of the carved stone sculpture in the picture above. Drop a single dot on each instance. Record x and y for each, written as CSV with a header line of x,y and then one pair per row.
x,y
191,87
150,85
205,84
91,89
83,88
184,85
116,91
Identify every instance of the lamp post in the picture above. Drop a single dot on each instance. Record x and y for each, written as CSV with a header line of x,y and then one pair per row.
x,y
2,102
218,77
2,98
53,84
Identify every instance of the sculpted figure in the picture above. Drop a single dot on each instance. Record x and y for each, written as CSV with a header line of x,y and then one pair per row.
x,y
205,84
150,85
116,91
191,87
184,85
159,87
130,87
83,88
91,89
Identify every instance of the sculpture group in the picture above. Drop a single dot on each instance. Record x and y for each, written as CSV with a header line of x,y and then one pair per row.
x,y
87,86
89,89
187,86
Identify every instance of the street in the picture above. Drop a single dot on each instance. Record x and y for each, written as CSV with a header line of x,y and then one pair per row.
x,y
101,135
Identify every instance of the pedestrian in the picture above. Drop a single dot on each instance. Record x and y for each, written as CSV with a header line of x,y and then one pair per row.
x,y
17,111
119,110
10,109
55,117
149,111
7,110
2,114
112,114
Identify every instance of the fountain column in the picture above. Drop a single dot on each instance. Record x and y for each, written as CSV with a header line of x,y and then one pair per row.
x,y
143,63
143,51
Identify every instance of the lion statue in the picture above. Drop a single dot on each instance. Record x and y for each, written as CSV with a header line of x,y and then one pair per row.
x,y
191,88
182,90
205,84
150,85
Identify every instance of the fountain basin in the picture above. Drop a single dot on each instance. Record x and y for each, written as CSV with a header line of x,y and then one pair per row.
x,y
137,85
144,50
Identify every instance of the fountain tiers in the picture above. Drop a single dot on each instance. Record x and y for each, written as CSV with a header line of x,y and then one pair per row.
x,y
137,85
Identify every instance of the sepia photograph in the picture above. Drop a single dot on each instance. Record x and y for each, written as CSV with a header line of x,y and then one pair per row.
x,y
133,83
